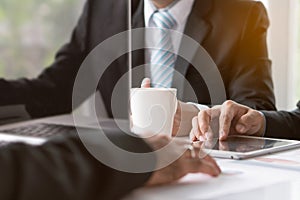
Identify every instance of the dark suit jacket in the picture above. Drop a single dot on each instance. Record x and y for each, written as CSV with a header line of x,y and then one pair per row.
x,y
64,169
283,124
233,32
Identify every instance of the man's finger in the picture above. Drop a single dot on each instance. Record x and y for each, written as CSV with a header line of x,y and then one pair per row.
x,y
212,161
247,122
196,131
204,121
201,166
226,117
241,127
146,83
223,146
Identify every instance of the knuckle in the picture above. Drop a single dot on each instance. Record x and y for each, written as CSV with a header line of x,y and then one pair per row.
x,y
253,113
202,113
228,103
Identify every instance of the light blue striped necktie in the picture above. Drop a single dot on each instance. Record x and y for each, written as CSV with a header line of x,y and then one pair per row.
x,y
162,58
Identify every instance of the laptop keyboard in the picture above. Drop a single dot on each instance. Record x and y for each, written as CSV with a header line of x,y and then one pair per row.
x,y
39,130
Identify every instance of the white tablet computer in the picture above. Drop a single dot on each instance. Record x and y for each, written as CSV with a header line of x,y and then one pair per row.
x,y
242,147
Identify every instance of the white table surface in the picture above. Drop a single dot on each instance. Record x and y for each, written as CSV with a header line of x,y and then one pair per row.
x,y
274,177
270,177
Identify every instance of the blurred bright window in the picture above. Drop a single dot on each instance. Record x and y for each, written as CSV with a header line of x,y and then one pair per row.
x,y
284,48
298,52
31,31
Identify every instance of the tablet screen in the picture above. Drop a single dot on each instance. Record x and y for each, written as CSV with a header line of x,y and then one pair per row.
x,y
243,145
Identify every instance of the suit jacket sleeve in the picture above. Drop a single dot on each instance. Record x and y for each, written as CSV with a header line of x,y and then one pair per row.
x,y
63,169
250,77
283,124
51,92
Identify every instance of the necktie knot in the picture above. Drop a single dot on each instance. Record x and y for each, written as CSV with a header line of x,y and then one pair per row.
x,y
163,19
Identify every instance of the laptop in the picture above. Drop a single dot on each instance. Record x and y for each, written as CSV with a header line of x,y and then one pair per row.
x,y
37,132
17,126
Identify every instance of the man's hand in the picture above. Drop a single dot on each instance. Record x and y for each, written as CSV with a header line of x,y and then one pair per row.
x,y
184,114
188,162
233,119
182,121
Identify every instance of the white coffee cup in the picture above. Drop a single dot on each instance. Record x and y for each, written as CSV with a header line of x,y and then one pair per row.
x,y
153,110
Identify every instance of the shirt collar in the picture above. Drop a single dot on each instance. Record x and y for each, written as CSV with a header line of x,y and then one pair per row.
x,y
180,10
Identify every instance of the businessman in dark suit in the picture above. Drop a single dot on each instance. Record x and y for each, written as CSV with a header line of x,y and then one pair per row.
x,y
64,169
233,33
283,124
240,119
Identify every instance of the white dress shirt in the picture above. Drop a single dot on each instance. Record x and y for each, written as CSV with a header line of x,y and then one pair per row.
x,y
180,10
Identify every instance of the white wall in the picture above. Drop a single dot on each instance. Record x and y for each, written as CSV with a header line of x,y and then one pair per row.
x,y
282,47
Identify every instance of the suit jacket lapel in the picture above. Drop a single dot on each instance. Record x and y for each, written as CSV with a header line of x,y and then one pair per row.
x,y
138,57
197,27
138,14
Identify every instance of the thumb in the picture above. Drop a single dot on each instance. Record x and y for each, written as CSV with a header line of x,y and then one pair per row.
x,y
146,83
245,123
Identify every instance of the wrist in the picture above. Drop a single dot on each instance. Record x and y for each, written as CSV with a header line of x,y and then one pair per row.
x,y
186,114
262,129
